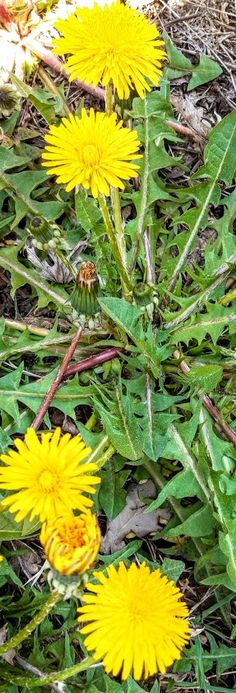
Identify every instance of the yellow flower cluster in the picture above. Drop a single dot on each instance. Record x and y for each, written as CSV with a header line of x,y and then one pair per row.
x,y
49,477
117,46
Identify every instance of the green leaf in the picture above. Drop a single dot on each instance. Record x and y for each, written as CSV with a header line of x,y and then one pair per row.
x,y
199,524
7,574
87,212
10,529
177,60
219,162
38,98
219,165
172,568
123,554
25,343
212,323
182,485
8,160
205,378
111,494
205,71
225,506
121,425
20,186
67,397
20,275
129,318
9,385
133,686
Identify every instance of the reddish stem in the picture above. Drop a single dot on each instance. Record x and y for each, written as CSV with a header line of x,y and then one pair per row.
x,y
183,130
230,434
92,361
59,377
57,65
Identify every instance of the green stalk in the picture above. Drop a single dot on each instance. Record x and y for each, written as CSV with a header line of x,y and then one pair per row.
x,y
114,245
116,208
98,453
31,682
143,192
51,86
65,261
38,618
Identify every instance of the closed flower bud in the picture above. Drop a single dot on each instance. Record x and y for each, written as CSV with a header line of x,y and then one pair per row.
x,y
84,297
8,99
71,543
45,235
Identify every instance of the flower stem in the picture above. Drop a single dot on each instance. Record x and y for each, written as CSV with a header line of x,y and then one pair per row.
x,y
38,618
115,199
114,244
51,86
64,260
31,682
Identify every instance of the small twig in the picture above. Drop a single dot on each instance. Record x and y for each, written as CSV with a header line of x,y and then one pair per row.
x,y
92,361
58,687
57,65
183,130
59,377
208,404
22,326
180,19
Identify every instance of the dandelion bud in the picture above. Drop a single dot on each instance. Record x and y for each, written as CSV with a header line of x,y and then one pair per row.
x,y
8,99
71,544
84,297
45,235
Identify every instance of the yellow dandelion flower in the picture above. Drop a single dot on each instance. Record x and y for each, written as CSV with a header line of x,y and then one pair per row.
x,y
112,43
71,544
94,151
49,475
136,621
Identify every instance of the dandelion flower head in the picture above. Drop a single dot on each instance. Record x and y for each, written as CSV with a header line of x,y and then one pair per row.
x,y
71,543
111,43
92,150
49,475
136,621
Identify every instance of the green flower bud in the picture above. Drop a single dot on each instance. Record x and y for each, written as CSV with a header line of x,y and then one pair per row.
x,y
84,296
45,234
8,99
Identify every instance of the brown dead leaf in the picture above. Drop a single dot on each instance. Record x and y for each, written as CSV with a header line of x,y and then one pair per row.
x,y
133,518
55,271
190,114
